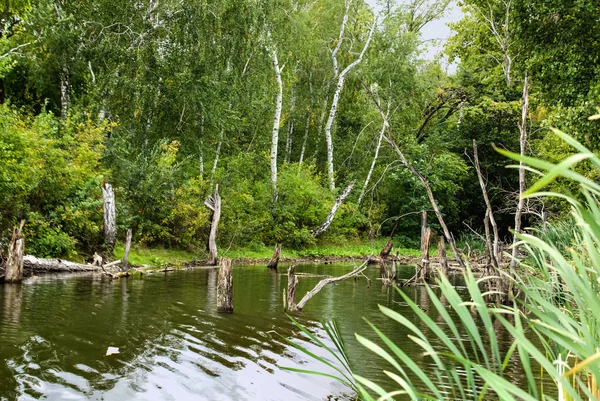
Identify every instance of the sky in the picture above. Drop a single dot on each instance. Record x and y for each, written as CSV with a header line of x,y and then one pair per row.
x,y
436,32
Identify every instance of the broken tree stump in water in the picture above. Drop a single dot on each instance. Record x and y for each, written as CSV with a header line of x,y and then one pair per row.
x,y
125,264
385,252
14,262
291,290
214,204
110,217
425,271
225,287
275,259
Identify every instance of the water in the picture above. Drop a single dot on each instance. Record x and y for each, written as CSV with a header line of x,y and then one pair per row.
x,y
55,331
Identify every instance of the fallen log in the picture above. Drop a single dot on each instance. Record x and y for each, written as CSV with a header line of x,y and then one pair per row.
x,y
35,264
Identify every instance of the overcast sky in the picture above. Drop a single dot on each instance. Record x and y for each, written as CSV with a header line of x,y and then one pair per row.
x,y
436,32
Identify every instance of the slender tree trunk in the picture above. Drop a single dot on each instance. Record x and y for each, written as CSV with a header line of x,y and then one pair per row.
x,y
442,256
110,216
494,251
291,290
214,204
425,271
334,105
65,92
390,140
522,188
14,261
201,153
225,287
125,264
290,131
333,211
217,153
276,118
364,188
305,140
423,228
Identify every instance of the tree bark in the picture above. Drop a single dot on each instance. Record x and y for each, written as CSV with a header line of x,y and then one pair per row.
x,y
14,262
333,211
65,92
494,250
225,287
423,228
291,290
214,204
32,263
523,142
385,252
334,104
125,265
324,282
425,271
275,259
442,256
276,118
364,188
110,216
390,140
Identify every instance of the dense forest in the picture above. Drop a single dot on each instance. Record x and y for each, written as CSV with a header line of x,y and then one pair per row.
x,y
280,103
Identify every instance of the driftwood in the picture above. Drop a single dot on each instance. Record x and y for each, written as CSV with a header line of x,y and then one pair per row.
x,y
110,219
125,264
225,287
333,211
35,264
214,204
300,305
14,262
275,259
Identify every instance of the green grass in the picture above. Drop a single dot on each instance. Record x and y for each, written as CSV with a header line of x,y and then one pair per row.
x,y
140,255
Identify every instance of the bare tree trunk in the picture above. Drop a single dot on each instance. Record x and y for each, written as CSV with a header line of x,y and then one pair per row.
x,y
201,156
214,204
425,271
333,211
488,240
385,252
225,287
217,153
357,270
442,256
110,216
14,262
275,259
276,118
390,140
125,265
494,251
523,141
423,228
291,290
364,188
65,92
290,132
334,104
320,127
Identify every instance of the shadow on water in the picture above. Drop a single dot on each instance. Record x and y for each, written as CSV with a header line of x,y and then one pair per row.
x,y
55,330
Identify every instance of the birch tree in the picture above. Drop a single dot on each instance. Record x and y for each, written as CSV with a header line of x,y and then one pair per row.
x,y
277,117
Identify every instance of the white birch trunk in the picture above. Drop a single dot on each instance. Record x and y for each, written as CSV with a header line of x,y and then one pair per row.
x,y
110,216
65,93
333,211
305,140
276,118
523,141
364,188
214,204
334,104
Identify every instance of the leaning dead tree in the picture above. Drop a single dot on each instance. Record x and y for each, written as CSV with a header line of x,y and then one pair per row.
x,y
293,306
275,259
14,261
214,204
494,250
333,211
225,287
523,142
390,140
110,216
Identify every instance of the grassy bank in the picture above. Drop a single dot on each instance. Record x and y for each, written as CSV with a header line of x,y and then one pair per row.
x,y
156,256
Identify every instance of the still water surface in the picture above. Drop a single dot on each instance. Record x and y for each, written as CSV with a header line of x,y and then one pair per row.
x,y
55,331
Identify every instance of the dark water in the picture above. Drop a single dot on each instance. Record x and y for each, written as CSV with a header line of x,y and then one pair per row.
x,y
55,331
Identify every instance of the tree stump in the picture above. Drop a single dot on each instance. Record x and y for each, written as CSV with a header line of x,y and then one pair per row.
x,y
225,287
275,259
423,228
291,290
14,262
125,265
214,204
385,252
425,272
110,216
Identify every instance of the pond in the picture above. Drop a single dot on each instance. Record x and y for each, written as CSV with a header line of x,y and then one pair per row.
x,y
55,331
